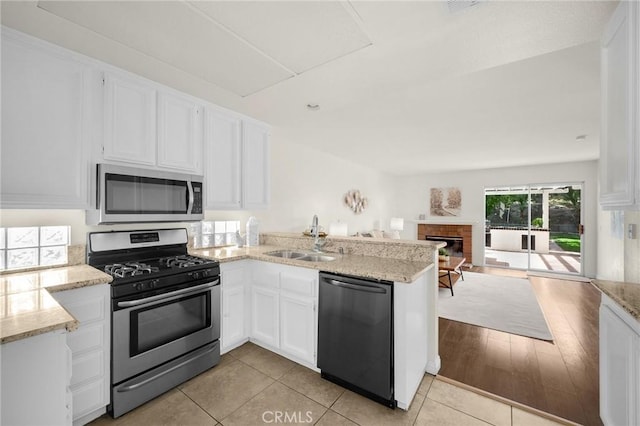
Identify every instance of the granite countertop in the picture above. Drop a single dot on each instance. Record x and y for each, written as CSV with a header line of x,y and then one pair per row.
x,y
27,307
405,271
627,295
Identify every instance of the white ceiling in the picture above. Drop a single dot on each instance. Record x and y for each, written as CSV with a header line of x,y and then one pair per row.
x,y
404,87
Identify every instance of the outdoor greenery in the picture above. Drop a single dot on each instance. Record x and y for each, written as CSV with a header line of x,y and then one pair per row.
x,y
568,242
537,222
506,209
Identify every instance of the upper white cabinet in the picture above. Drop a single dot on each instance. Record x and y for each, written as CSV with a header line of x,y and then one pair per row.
x,y
223,150
150,125
237,162
46,119
63,112
619,138
255,165
179,133
129,120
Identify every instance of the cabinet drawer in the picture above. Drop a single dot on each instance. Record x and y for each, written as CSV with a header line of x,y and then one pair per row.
x,y
86,337
89,398
266,276
87,367
232,277
304,286
87,310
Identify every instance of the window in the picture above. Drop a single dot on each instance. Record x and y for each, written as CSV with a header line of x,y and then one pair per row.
x,y
215,233
26,247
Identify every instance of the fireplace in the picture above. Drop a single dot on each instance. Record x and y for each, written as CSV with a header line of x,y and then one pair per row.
x,y
454,244
457,236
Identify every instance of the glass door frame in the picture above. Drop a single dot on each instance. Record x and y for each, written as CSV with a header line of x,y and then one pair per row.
x,y
529,188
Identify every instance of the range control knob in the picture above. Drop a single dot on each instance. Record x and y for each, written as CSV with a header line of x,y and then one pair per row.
x,y
196,275
154,283
205,273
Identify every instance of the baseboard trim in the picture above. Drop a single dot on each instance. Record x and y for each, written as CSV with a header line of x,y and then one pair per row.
x,y
507,401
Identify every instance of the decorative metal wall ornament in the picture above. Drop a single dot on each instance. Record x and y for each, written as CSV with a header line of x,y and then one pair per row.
x,y
355,201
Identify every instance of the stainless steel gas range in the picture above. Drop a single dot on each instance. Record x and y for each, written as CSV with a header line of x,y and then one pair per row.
x,y
165,312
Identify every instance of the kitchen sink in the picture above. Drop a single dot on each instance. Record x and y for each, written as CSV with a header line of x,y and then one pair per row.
x,y
287,254
317,258
301,255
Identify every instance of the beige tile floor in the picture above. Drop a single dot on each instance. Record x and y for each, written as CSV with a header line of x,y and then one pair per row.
x,y
253,386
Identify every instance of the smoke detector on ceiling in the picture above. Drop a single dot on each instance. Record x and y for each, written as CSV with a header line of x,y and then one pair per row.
x,y
456,6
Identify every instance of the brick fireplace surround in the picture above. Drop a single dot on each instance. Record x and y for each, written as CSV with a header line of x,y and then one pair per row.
x,y
449,230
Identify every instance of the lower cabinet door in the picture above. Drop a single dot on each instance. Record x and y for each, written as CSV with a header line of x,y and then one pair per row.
x,y
232,317
618,370
265,316
298,327
90,347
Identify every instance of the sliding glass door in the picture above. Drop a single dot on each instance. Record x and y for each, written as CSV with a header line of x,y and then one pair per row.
x,y
534,227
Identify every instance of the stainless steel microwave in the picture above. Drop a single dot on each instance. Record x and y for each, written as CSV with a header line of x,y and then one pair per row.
x,y
133,195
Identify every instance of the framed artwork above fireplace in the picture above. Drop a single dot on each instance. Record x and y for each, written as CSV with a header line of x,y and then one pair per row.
x,y
445,201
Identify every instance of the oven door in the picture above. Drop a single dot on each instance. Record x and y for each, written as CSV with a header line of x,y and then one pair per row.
x,y
153,330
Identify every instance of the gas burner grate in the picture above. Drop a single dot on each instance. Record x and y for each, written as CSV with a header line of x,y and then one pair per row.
x,y
129,269
183,261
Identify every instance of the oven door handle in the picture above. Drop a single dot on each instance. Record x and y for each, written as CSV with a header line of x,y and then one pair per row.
x,y
137,302
204,351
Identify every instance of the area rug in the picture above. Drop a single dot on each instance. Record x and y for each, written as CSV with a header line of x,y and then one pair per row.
x,y
500,303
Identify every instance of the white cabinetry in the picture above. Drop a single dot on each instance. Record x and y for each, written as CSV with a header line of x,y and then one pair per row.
x,y
237,162
235,309
46,118
129,120
179,133
265,316
35,381
619,365
283,314
90,348
298,319
255,166
223,150
150,125
620,133
265,308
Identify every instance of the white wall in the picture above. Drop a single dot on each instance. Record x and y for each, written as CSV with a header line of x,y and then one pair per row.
x,y
305,182
412,199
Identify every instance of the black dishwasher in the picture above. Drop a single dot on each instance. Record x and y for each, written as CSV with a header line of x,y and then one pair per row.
x,y
355,335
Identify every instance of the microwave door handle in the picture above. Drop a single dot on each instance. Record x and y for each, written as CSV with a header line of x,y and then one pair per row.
x,y
189,197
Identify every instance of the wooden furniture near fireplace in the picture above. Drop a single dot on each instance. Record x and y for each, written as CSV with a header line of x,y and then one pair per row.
x,y
446,267
449,230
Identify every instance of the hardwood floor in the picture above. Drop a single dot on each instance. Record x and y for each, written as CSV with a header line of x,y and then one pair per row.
x,y
560,378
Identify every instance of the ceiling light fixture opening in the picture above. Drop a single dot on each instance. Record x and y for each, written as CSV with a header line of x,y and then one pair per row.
x,y
313,107
581,138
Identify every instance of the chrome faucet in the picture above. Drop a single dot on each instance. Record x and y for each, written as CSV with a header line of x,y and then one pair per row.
x,y
315,231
